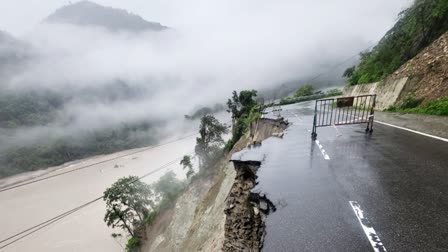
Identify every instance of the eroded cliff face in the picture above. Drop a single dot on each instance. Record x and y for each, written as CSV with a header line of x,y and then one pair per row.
x,y
428,71
214,211
245,218
424,77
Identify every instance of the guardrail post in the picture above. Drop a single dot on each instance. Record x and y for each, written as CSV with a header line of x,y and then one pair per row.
x,y
314,133
369,128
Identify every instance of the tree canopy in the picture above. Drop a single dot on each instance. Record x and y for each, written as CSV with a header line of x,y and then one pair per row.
x,y
188,165
304,90
210,141
244,109
127,203
240,104
167,188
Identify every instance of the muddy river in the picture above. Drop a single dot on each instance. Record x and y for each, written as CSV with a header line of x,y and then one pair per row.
x,y
24,207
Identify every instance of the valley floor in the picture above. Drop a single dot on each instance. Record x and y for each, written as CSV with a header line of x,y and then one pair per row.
x,y
84,230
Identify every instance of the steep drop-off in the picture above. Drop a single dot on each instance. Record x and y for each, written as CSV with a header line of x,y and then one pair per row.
x,y
207,216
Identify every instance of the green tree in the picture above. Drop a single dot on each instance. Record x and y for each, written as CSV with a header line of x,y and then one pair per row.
x,y
241,104
210,140
167,188
188,165
127,203
349,72
304,90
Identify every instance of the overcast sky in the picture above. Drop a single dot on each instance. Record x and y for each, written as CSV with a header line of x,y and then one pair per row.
x,y
215,47
20,16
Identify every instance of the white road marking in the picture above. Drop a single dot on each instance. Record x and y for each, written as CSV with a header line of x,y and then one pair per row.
x,y
321,148
374,240
413,131
339,133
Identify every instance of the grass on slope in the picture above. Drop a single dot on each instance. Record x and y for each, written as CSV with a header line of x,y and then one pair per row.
x,y
437,107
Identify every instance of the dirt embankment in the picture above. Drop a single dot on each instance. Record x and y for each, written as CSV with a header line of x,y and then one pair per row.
x,y
245,211
428,71
202,217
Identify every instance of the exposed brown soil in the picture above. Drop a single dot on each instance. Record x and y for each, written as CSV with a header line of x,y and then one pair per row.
x,y
246,211
244,227
428,71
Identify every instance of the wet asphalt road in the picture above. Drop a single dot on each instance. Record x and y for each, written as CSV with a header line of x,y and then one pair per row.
x,y
399,178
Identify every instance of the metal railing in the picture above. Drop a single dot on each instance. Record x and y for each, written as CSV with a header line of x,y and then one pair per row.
x,y
344,111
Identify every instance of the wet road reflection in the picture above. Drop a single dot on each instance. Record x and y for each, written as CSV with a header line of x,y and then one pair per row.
x,y
399,178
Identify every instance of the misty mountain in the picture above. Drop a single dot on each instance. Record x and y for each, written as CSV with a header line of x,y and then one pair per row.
x,y
11,49
12,52
86,13
47,117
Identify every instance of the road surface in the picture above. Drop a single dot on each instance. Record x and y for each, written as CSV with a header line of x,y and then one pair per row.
x,y
354,192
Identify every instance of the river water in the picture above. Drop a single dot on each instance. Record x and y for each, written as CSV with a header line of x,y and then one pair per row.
x,y
84,230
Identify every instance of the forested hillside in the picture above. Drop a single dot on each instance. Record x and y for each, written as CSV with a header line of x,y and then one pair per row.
x,y
45,124
35,132
416,28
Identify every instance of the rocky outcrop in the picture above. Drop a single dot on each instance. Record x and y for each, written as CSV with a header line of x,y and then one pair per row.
x,y
245,211
244,227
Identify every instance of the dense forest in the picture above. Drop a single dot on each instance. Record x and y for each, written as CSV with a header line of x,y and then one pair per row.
x,y
22,113
417,27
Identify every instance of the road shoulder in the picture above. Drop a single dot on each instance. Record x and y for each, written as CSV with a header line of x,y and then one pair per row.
x,y
428,124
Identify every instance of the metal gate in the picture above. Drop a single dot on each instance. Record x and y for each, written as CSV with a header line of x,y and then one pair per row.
x,y
344,111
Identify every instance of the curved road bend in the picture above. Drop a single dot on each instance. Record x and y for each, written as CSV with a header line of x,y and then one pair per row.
x,y
396,180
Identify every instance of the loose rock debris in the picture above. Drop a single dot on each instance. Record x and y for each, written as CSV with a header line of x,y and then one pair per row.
x,y
246,211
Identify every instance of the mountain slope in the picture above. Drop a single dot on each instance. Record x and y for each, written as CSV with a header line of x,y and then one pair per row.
x,y
86,13
12,52
428,71
10,48
417,27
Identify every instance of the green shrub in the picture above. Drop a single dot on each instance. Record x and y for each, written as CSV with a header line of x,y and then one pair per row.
x,y
436,107
410,102
334,92
133,244
392,108
150,217
304,90
254,115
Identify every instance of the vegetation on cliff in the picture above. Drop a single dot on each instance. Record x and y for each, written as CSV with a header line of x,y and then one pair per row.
x,y
244,109
132,205
412,105
210,141
417,27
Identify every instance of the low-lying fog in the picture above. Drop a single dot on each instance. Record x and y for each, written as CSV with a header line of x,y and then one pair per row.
x,y
106,78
